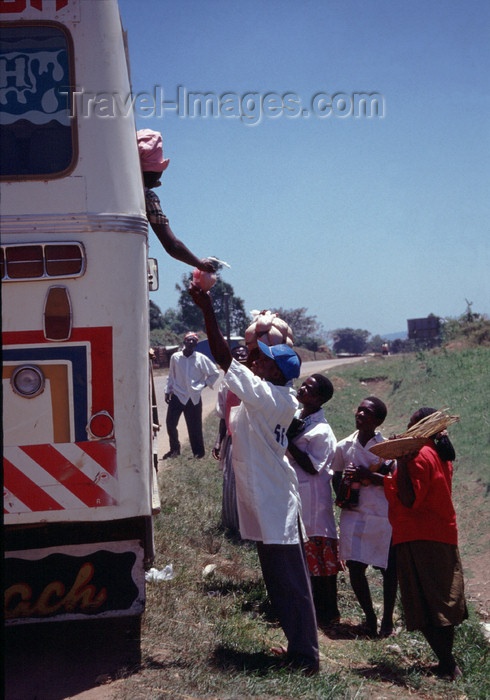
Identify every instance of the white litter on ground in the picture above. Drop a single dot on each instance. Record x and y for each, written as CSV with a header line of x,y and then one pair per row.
x,y
166,574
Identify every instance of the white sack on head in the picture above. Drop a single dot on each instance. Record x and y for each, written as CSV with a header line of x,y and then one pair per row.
x,y
269,329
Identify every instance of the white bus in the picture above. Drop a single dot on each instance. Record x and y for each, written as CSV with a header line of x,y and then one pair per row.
x,y
78,474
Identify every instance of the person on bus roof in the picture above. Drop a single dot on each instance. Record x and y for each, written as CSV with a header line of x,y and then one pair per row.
x,y
153,164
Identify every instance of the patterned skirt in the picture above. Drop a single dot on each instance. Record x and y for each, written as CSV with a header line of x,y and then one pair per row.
x,y
322,556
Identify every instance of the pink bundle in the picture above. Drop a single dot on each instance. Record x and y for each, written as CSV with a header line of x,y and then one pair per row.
x,y
205,280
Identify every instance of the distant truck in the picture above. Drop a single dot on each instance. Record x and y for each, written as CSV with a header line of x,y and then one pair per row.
x,y
77,411
425,331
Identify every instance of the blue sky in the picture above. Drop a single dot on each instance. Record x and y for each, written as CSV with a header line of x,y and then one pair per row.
x,y
364,221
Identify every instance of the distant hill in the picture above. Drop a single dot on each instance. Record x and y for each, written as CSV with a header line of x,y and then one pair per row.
x,y
393,336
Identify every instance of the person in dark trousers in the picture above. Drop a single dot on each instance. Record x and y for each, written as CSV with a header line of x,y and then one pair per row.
x,y
189,373
267,491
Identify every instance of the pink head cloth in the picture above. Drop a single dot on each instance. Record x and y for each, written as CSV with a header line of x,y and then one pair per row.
x,y
191,335
150,147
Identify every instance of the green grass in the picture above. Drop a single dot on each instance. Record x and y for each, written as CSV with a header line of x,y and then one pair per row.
x,y
209,637
459,381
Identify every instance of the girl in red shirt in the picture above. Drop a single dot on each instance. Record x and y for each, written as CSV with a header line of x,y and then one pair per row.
x,y
425,536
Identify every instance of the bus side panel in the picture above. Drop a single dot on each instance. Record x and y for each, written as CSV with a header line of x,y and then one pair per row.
x,y
92,491
103,579
107,176
54,471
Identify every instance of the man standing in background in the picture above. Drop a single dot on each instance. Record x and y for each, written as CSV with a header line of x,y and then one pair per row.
x,y
189,373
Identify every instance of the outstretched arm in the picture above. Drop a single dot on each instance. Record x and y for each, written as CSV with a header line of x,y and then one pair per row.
x,y
178,250
217,344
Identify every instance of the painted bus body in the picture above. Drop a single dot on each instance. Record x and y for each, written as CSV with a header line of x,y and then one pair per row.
x,y
77,453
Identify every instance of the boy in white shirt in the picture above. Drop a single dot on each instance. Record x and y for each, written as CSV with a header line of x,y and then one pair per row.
x,y
311,449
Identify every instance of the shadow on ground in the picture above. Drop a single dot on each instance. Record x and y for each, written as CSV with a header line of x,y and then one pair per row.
x,y
51,661
226,660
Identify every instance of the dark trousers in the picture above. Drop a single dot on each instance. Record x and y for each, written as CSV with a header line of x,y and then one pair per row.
x,y
193,418
287,580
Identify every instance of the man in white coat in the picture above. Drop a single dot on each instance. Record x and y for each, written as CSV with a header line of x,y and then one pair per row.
x,y
268,500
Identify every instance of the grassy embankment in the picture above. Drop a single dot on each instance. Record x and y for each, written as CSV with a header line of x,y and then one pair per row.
x,y
210,636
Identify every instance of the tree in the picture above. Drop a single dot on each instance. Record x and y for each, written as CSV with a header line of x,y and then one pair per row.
x,y
156,317
471,328
164,336
400,345
375,343
192,318
306,330
169,322
350,341
172,321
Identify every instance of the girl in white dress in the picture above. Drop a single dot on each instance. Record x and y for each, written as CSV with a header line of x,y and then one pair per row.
x,y
365,531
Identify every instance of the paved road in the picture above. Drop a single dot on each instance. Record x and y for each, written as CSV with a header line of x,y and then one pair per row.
x,y
209,397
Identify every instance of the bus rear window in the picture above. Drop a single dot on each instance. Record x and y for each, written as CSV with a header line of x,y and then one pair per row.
x,y
36,132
